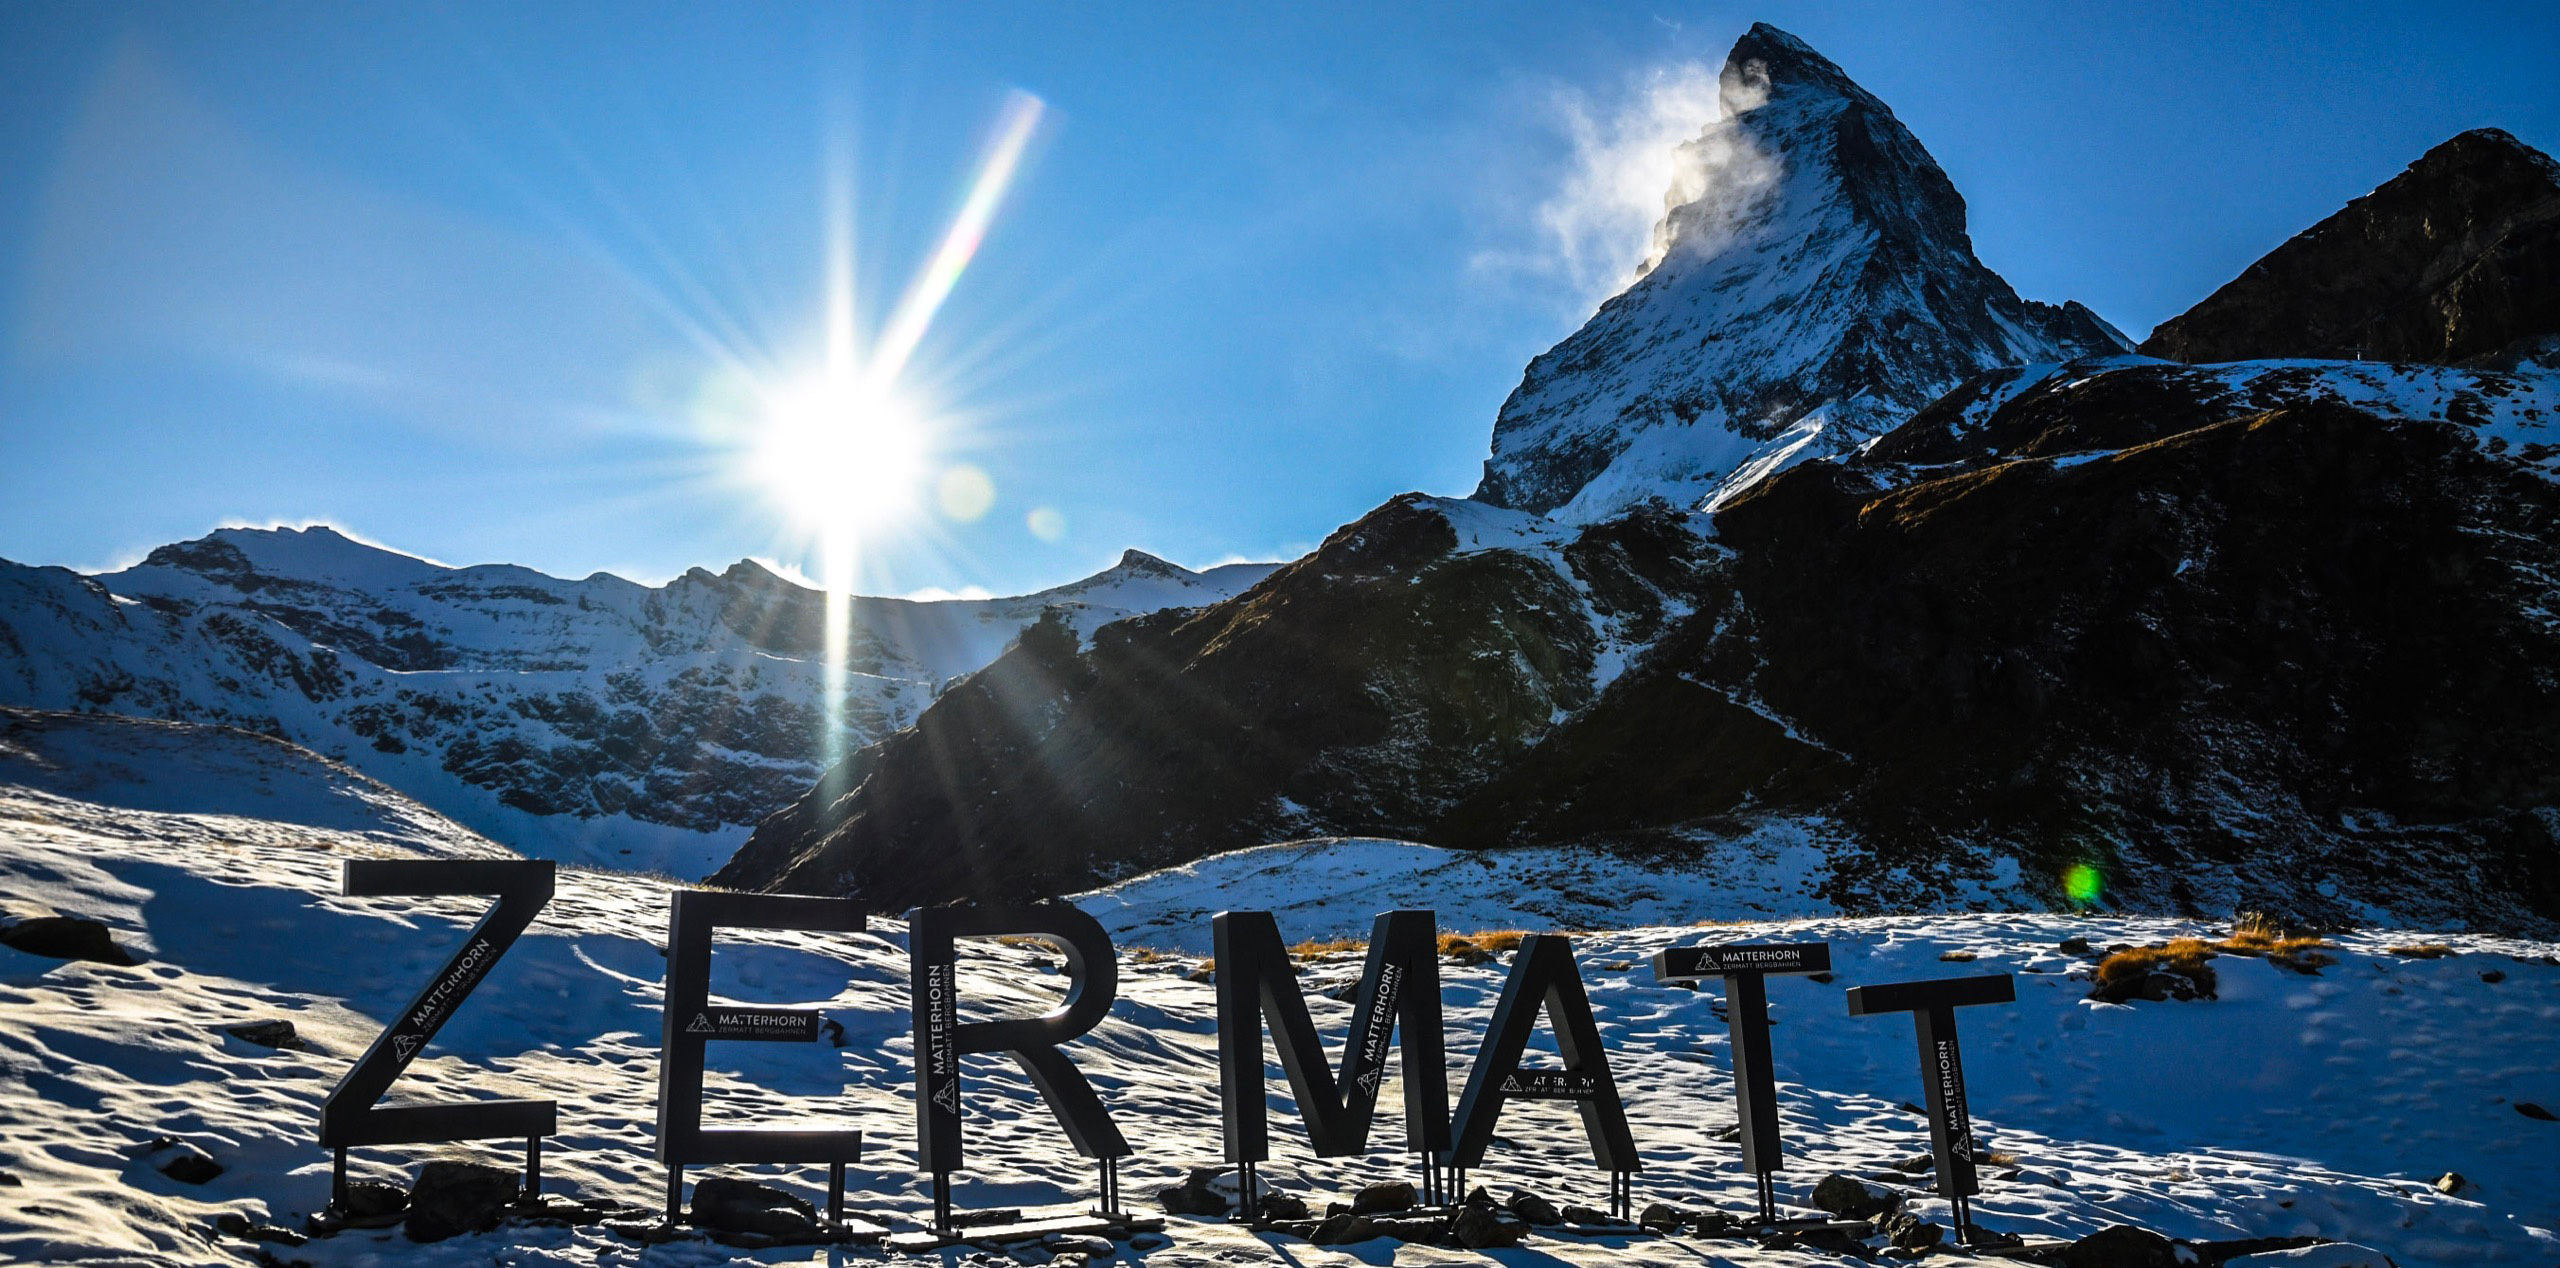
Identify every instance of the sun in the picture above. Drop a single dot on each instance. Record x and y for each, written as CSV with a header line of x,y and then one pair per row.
x,y
841,454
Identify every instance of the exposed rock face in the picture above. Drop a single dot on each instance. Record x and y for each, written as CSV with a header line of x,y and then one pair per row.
x,y
596,720
2455,259
1813,284
1378,681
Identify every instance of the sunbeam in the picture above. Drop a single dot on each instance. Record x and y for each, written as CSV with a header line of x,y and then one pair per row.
x,y
846,452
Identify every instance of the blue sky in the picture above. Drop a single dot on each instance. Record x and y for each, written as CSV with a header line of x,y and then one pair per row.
x,y
522,283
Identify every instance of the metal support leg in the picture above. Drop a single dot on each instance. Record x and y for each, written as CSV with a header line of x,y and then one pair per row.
x,y
835,1194
1768,1185
1248,1207
942,1202
1107,1185
532,1166
1622,1194
675,1192
338,1181
1963,1219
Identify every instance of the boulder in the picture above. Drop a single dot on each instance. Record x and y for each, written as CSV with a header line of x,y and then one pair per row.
x,y
1534,1209
1589,1215
727,1205
372,1197
66,938
1282,1206
1194,1196
2452,1182
1910,1232
1344,1229
1384,1196
180,1161
452,1198
2120,1246
272,1033
1852,1198
1478,1228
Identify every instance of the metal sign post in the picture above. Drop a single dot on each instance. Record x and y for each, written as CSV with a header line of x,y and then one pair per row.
x,y
941,1039
691,1020
1543,976
1399,995
349,1117
1933,1006
1745,968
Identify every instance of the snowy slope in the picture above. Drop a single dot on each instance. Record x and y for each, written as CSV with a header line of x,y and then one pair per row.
x,y
2510,415
1812,285
596,720
2293,1105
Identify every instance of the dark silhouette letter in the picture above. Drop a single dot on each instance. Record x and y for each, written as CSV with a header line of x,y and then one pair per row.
x,y
1543,975
1746,998
1399,990
1093,982
1933,1006
349,1117
690,1020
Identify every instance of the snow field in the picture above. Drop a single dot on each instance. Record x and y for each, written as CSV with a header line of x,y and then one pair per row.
x,y
2294,1105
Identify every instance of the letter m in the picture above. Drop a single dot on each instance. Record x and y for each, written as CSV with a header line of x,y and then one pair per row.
x,y
1399,991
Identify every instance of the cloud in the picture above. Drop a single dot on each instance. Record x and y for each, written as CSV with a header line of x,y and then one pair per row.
x,y
1660,140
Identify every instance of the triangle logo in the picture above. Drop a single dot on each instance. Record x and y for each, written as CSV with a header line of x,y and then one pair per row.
x,y
403,1045
701,1024
1369,1082
948,1097
1511,1083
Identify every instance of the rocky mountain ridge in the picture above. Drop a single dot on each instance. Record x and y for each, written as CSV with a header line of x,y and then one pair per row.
x,y
596,720
1813,284
2450,262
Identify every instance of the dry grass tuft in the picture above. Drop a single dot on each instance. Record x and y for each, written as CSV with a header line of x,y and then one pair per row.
x,y
1959,957
2257,934
1482,940
1148,955
2422,951
1314,947
2185,957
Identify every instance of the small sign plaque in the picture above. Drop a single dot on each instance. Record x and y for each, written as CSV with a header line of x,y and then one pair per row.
x,y
1694,962
767,1025
1553,1085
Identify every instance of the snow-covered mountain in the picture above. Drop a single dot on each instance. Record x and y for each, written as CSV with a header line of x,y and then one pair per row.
x,y
597,720
2323,1102
1811,285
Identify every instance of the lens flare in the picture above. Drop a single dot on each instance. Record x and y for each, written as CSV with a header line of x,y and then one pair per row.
x,y
1046,523
964,493
2080,884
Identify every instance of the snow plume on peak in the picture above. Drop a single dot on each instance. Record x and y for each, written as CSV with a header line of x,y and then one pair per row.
x,y
1721,179
1625,152
1811,285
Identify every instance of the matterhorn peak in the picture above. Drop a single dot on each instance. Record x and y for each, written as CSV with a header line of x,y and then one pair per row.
x,y
1811,284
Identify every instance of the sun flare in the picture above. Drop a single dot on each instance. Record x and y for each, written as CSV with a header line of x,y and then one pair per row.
x,y
841,454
